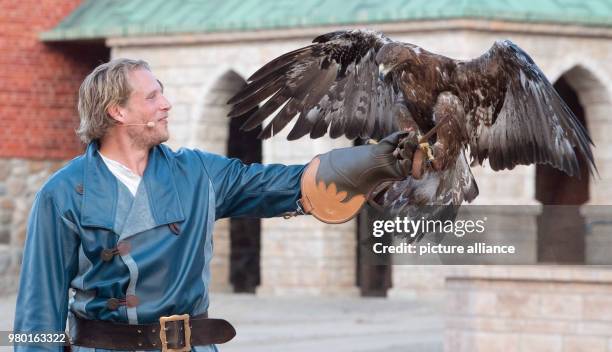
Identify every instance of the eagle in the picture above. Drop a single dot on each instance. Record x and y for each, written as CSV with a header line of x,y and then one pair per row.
x,y
498,107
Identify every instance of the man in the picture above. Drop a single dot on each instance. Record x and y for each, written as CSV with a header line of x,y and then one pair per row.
x,y
128,225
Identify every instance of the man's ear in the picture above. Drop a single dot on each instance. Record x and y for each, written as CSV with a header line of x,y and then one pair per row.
x,y
116,112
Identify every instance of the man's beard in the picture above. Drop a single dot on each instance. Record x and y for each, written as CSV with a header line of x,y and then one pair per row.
x,y
146,140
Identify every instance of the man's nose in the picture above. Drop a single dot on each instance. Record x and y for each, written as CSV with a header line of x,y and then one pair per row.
x,y
165,103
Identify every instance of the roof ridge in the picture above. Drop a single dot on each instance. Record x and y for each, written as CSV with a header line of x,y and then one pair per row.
x,y
95,19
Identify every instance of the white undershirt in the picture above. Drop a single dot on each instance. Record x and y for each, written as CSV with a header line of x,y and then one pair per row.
x,y
123,174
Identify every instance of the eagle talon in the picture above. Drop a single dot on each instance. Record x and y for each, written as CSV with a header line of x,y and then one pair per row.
x,y
428,150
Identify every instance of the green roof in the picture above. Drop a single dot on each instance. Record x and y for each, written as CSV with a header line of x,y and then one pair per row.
x,y
98,19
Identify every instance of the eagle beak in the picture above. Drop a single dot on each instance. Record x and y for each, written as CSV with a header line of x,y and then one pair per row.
x,y
382,71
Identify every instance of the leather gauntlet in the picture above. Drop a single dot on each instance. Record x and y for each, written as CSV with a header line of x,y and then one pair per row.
x,y
335,185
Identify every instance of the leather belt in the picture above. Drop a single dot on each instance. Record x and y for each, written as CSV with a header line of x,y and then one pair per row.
x,y
172,334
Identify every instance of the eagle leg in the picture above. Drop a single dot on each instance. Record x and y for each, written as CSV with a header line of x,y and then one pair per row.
x,y
434,156
428,150
405,121
448,113
424,154
440,160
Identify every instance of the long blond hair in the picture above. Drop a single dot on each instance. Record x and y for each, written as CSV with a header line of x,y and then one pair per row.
x,y
105,86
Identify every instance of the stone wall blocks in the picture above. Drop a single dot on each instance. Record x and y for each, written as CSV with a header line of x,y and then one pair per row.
x,y
598,307
584,344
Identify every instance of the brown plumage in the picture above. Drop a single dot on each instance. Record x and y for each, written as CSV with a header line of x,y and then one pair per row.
x,y
360,83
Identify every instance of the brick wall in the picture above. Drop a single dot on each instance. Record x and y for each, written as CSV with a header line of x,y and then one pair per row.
x,y
38,93
39,82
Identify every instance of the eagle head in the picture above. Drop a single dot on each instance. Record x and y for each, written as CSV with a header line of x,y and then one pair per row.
x,y
391,55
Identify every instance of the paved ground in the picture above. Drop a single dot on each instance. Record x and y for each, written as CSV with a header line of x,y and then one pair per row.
x,y
317,323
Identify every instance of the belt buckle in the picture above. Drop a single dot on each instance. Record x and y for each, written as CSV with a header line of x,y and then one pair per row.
x,y
162,332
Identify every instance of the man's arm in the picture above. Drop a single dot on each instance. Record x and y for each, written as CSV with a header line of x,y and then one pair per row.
x,y
49,263
252,190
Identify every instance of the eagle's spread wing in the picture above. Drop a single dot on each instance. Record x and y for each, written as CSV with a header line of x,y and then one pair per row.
x,y
533,125
513,115
332,84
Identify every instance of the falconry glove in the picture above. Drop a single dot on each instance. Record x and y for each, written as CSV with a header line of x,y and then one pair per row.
x,y
335,185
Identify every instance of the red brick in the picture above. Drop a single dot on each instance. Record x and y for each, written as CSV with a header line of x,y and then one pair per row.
x,y
39,82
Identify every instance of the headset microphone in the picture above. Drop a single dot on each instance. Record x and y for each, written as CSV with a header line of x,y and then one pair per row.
x,y
149,124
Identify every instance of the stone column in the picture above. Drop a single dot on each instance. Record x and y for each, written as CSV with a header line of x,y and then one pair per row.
x,y
598,221
302,255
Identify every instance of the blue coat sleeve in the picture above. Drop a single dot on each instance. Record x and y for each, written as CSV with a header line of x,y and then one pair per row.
x,y
50,261
253,190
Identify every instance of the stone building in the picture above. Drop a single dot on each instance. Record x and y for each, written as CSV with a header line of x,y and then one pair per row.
x,y
203,50
38,88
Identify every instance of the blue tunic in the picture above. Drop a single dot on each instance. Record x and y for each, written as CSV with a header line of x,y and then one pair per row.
x,y
83,209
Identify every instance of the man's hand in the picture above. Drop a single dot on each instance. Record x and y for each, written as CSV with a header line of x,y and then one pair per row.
x,y
335,185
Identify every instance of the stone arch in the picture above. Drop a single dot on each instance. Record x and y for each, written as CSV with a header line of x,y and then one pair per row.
x,y
563,218
211,126
235,266
560,225
580,69
594,96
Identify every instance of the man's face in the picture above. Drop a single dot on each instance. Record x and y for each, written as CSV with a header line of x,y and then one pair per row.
x,y
147,103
